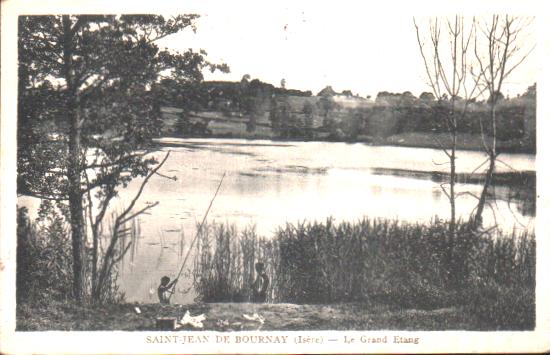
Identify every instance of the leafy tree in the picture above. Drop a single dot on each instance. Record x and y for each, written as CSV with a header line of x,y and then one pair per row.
x,y
327,91
274,114
347,93
307,111
327,106
497,96
87,115
279,113
183,125
189,96
531,91
355,124
427,96
246,102
245,80
252,112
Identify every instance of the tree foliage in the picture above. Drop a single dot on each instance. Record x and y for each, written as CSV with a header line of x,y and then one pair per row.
x,y
87,114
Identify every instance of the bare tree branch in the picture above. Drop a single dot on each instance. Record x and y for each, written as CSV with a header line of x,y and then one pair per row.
x,y
140,191
143,210
174,178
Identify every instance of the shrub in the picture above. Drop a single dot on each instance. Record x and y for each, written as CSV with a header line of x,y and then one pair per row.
x,y
43,258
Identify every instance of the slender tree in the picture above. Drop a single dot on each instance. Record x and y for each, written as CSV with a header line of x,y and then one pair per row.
x,y
480,56
498,51
448,72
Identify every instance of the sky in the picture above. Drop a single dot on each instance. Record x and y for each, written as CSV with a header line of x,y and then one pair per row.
x,y
355,47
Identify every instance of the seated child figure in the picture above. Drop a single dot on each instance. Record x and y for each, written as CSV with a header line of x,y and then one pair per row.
x,y
164,291
259,287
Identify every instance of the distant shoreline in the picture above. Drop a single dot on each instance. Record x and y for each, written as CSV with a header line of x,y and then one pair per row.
x,y
466,142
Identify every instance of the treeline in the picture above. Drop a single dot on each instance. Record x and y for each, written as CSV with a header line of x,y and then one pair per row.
x,y
425,114
346,117
245,96
293,114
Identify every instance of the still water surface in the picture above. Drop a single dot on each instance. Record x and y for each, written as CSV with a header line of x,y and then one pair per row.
x,y
270,183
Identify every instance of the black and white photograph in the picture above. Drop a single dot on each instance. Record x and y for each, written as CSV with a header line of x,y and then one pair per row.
x,y
278,176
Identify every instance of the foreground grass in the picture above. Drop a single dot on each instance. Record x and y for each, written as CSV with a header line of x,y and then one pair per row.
x,y
229,317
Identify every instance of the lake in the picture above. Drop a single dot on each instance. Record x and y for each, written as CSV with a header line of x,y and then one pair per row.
x,y
270,183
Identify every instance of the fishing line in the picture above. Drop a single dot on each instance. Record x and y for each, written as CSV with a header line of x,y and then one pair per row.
x,y
196,235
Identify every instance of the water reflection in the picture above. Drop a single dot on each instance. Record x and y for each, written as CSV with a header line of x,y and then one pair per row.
x,y
269,184
278,196
436,194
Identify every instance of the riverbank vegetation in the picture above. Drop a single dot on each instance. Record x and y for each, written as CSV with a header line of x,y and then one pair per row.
x,y
412,266
409,276
413,276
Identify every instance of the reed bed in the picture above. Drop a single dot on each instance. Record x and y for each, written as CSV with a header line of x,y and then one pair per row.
x,y
224,262
409,265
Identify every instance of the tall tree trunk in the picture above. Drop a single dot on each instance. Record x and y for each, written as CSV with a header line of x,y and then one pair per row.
x,y
452,194
452,159
77,216
452,225
478,220
74,167
95,235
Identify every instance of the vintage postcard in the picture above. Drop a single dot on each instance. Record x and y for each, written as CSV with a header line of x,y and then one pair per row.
x,y
274,177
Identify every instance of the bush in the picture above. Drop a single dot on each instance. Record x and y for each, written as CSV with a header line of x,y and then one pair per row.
x,y
43,258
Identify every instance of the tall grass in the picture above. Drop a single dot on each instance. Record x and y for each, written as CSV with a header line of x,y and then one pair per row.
x,y
44,258
403,264
224,262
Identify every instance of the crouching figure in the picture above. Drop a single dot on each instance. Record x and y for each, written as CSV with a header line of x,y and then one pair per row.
x,y
259,287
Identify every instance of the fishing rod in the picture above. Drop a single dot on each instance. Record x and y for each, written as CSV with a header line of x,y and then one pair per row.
x,y
196,235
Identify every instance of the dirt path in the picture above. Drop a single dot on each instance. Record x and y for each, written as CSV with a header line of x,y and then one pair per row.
x,y
229,317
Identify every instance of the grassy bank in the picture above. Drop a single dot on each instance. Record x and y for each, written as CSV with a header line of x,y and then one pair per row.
x,y
229,317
